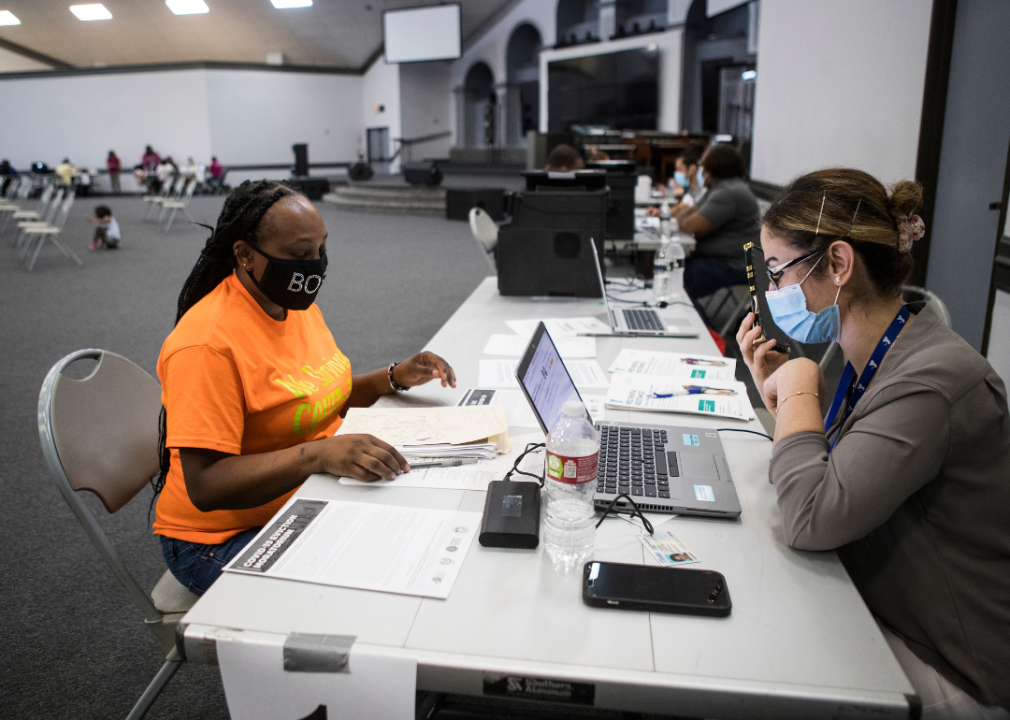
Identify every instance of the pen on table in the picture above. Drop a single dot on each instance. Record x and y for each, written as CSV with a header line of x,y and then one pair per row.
x,y
677,393
416,463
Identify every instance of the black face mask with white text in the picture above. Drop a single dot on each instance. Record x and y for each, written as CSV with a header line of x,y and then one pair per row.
x,y
292,284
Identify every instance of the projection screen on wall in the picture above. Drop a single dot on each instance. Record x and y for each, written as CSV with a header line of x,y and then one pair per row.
x,y
420,34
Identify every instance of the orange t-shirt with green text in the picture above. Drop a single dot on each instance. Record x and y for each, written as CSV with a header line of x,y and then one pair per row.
x,y
237,381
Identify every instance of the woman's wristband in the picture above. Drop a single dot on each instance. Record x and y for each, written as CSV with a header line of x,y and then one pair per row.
x,y
397,387
792,395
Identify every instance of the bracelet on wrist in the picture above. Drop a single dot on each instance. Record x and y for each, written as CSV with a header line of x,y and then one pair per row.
x,y
397,387
792,395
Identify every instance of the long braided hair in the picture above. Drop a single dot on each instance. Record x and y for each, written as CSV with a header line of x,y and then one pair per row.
x,y
240,219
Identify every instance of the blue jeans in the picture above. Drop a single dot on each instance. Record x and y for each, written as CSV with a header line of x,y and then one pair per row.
x,y
704,275
197,566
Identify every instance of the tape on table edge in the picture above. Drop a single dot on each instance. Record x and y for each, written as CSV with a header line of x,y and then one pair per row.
x,y
307,652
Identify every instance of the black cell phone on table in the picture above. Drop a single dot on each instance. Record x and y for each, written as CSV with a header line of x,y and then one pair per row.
x,y
655,589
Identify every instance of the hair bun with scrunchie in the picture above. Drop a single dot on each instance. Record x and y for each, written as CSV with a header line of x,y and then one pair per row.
x,y
910,229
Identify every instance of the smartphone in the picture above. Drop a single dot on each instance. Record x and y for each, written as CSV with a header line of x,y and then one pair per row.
x,y
655,589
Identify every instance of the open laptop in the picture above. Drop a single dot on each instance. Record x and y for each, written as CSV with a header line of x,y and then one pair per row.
x,y
664,469
643,321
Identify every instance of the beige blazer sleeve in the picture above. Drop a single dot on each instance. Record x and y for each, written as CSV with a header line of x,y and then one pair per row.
x,y
828,500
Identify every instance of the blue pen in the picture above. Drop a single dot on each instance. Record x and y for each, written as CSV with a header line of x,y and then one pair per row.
x,y
675,393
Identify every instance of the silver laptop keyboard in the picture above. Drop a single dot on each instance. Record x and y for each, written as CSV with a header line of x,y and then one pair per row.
x,y
643,320
633,461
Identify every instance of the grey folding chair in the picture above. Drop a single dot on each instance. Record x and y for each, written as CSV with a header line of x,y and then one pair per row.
x,y
100,435
909,293
485,232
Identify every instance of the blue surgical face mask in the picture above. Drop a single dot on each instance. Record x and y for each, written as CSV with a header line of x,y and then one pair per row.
x,y
681,179
788,307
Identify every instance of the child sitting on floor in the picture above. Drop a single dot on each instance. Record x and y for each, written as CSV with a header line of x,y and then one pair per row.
x,y
107,233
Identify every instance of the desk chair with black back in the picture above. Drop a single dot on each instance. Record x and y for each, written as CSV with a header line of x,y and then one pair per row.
x,y
100,434
544,249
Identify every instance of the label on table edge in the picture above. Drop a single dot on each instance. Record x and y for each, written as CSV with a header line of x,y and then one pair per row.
x,y
537,688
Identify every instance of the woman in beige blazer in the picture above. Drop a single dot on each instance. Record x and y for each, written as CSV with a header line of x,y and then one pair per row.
x,y
907,476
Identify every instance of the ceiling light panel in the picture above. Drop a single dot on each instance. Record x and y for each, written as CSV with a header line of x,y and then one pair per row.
x,y
283,4
95,11
187,7
8,18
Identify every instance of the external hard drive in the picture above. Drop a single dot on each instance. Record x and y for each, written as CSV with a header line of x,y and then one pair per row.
x,y
511,515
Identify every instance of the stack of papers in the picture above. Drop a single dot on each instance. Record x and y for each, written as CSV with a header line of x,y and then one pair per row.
x,y
427,432
662,394
561,327
677,365
568,346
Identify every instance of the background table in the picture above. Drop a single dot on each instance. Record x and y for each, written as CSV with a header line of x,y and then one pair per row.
x,y
800,643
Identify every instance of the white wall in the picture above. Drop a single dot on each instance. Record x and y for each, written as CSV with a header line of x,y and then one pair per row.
x,y
13,62
839,83
670,45
380,86
244,117
256,116
84,116
426,106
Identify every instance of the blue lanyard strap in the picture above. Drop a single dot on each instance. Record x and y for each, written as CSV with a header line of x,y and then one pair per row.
x,y
890,335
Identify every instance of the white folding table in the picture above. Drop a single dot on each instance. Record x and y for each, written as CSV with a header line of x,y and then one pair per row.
x,y
799,643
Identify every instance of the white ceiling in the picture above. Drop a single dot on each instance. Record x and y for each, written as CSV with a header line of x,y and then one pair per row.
x,y
334,33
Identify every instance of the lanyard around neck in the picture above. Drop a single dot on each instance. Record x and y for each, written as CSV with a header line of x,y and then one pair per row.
x,y
890,335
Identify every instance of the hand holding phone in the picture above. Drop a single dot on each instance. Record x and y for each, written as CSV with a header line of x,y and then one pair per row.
x,y
655,589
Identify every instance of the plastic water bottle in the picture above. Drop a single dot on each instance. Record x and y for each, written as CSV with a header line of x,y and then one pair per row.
x,y
662,271
675,257
573,452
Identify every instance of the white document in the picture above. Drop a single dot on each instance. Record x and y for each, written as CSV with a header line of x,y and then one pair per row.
x,y
257,684
587,374
561,327
497,373
568,346
721,399
502,373
387,548
464,477
426,426
678,365
517,408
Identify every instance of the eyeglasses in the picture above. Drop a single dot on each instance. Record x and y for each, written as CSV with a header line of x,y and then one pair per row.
x,y
775,274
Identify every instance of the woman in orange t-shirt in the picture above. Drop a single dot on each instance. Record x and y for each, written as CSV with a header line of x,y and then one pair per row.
x,y
253,384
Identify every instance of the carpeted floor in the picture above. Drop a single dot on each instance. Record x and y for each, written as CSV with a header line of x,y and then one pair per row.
x,y
71,644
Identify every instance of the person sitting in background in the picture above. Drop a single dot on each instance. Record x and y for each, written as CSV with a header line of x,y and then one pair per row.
x,y
151,160
564,158
65,172
724,220
149,170
688,185
113,165
216,174
190,169
254,385
7,173
107,234
166,172
596,155
908,476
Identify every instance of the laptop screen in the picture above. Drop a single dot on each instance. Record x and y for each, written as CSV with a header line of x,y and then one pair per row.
x,y
544,379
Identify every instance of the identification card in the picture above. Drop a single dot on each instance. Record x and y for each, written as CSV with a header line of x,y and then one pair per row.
x,y
668,549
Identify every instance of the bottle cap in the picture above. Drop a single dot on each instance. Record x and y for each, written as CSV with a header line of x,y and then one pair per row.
x,y
573,408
